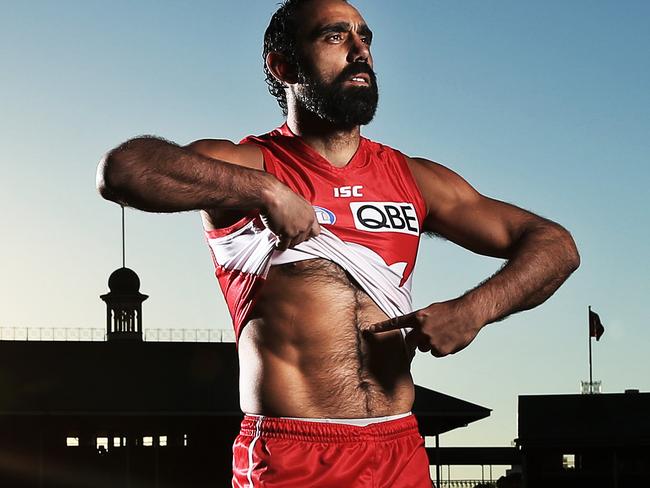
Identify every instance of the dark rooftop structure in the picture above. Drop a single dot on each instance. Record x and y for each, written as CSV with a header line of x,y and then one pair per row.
x,y
137,413
130,413
439,413
124,305
591,440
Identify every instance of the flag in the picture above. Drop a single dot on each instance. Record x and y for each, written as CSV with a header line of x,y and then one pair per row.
x,y
596,328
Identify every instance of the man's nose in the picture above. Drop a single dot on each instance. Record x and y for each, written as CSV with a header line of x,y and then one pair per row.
x,y
359,50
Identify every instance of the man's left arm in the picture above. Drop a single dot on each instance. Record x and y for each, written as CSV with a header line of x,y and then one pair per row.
x,y
540,256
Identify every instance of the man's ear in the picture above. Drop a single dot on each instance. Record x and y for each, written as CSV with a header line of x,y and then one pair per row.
x,y
280,68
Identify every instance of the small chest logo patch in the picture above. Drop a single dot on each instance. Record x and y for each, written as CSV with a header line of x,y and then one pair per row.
x,y
324,216
385,217
348,191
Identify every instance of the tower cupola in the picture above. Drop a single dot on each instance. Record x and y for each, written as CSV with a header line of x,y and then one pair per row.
x,y
124,306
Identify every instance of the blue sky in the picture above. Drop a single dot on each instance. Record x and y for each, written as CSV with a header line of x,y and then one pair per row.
x,y
541,104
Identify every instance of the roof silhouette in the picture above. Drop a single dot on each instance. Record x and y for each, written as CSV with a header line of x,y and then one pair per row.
x,y
94,378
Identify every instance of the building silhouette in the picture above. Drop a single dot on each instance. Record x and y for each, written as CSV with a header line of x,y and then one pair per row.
x,y
127,412
591,440
137,414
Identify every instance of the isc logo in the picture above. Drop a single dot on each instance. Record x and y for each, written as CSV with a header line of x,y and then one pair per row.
x,y
385,217
348,191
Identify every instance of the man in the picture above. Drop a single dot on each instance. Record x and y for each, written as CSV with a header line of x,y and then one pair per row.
x,y
314,231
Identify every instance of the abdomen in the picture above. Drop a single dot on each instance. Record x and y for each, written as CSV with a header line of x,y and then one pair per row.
x,y
303,354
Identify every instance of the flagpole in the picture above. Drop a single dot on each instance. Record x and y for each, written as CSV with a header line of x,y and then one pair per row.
x,y
591,381
123,240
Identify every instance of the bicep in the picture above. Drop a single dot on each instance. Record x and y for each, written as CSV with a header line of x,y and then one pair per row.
x,y
456,211
247,155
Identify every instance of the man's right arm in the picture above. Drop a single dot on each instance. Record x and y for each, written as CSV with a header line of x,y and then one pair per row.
x,y
155,175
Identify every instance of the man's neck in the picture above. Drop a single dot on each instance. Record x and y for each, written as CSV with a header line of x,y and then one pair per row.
x,y
337,145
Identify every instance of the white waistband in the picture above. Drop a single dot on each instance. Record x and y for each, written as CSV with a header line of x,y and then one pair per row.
x,y
356,422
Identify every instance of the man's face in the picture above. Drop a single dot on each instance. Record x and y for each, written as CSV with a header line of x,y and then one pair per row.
x,y
335,76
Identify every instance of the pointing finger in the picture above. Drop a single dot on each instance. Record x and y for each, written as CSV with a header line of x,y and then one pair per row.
x,y
408,320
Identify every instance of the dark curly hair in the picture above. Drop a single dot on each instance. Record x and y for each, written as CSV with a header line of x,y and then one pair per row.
x,y
280,37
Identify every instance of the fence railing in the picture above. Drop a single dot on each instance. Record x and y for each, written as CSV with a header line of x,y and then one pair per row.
x,y
99,335
466,484
189,335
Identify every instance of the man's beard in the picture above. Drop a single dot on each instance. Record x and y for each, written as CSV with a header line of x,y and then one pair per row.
x,y
342,106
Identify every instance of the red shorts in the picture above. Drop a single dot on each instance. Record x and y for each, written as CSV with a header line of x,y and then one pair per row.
x,y
279,453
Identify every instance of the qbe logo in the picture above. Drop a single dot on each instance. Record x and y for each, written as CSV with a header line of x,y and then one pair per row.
x,y
385,217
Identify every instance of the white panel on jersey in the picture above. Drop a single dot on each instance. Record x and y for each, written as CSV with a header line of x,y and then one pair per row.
x,y
289,256
247,249
251,249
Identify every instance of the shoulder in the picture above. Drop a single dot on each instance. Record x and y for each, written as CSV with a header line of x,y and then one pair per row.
x,y
427,173
243,154
431,172
439,183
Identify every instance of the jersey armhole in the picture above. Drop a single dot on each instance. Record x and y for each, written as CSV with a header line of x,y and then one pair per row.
x,y
267,155
417,193
267,160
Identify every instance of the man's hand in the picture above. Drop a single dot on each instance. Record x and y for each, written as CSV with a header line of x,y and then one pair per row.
x,y
289,216
442,328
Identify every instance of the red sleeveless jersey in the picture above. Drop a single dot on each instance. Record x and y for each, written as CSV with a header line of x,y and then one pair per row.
x,y
370,211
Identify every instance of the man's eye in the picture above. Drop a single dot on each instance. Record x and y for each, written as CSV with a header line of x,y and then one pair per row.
x,y
365,40
334,37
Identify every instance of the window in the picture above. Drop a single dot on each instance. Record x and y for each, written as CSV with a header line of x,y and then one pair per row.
x,y
102,444
72,441
162,440
184,439
568,461
147,441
